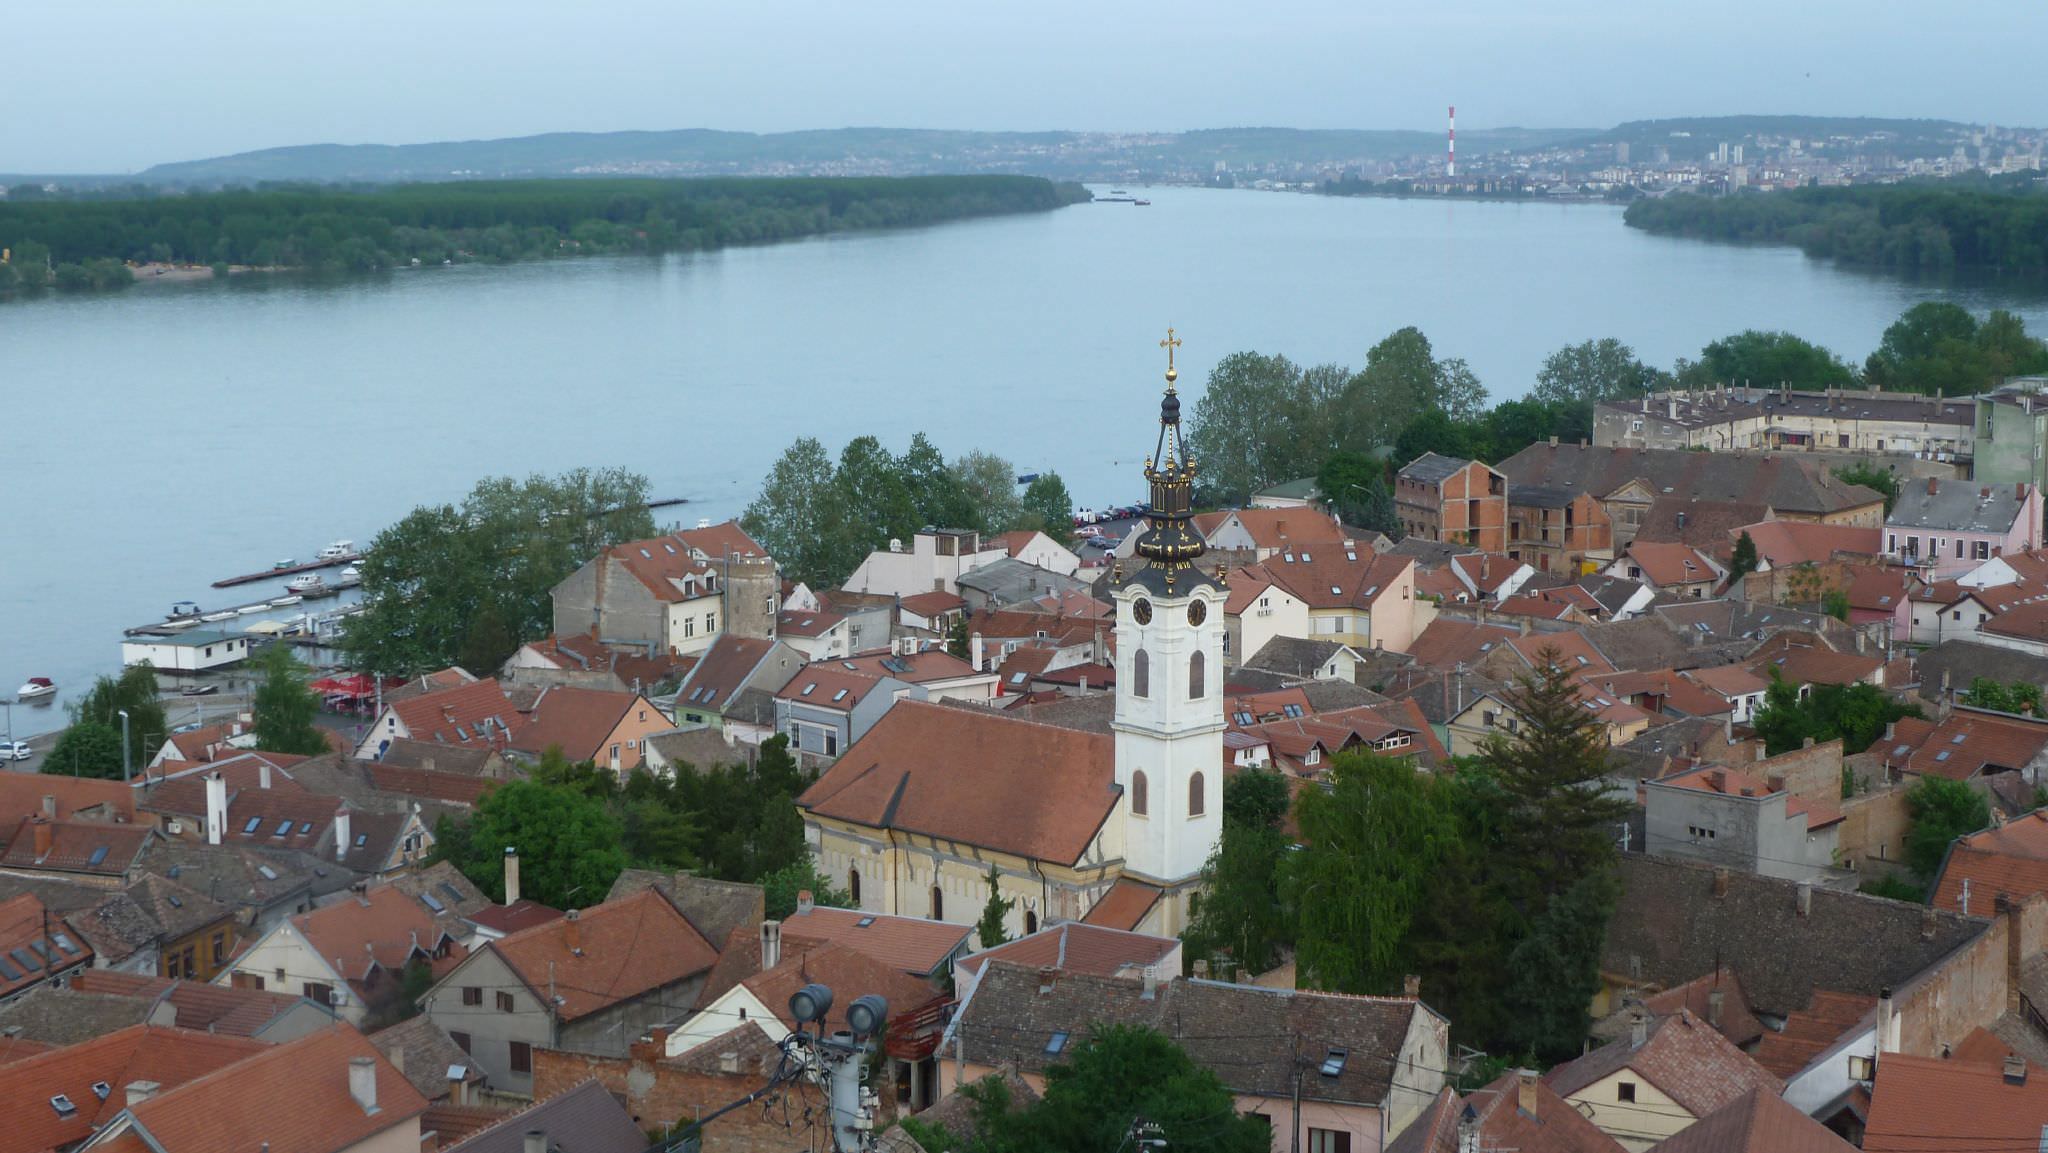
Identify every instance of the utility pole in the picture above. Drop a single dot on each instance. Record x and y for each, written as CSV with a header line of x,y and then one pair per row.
x,y
124,747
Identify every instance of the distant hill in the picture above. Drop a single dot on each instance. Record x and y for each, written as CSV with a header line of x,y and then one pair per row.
x,y
832,152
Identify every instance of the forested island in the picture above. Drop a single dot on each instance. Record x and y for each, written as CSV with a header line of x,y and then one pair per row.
x,y
1960,223
86,244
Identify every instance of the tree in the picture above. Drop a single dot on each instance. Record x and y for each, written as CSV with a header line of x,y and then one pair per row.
x,y
1354,485
1432,430
873,501
1370,845
1561,814
937,499
1590,372
1402,376
1835,603
990,485
1869,475
2016,697
780,889
1853,714
958,642
1938,347
1941,811
1744,560
1555,969
991,930
1046,501
569,844
794,517
1120,1072
1766,359
1238,430
284,707
1240,912
85,747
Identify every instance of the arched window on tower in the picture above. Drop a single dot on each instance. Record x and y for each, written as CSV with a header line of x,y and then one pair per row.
x,y
1030,922
1198,667
1197,801
1138,800
1141,674
938,904
853,885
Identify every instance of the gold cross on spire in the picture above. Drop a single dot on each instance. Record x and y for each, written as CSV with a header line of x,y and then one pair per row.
x,y
1169,344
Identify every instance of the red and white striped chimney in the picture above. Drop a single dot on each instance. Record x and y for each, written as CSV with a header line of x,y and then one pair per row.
x,y
1451,164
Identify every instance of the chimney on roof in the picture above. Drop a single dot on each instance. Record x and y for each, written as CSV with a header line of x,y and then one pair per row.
x,y
974,652
1151,983
1671,406
341,834
362,1083
1048,975
1638,1029
1525,1091
2008,910
2015,1069
397,1054
1411,986
45,837
1803,901
262,773
729,1062
1928,923
1201,970
1720,882
1553,442
1715,997
572,932
140,1091
1887,1022
216,807
536,1141
804,902
50,805
511,875
771,944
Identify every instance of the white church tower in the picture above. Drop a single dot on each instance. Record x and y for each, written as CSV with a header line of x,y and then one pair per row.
x,y
1169,681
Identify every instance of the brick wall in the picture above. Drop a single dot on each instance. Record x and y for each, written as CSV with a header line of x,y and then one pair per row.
x,y
1813,774
1973,986
659,1095
1873,833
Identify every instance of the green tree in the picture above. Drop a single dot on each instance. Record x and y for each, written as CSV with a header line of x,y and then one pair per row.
x,y
990,485
1561,814
1240,912
284,708
1433,431
1941,810
2016,697
1766,359
1401,377
87,749
781,887
1370,845
1835,603
958,642
1854,714
1744,560
569,844
1124,1071
1869,475
794,518
1239,426
873,501
1354,486
1923,336
1592,371
991,930
1047,502
1555,969
84,748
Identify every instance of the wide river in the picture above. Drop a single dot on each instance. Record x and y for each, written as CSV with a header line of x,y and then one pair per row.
x,y
159,439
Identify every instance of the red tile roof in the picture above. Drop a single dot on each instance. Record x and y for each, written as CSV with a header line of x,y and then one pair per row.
x,y
1684,1057
1812,1031
382,928
933,604
1329,577
720,540
32,942
1670,563
1446,642
1542,606
1738,1022
1078,947
2028,621
1124,906
722,672
667,567
1729,681
839,967
577,720
1272,528
912,944
1573,652
807,624
1968,743
1756,1122
201,1007
2010,859
453,716
918,668
1502,1124
22,795
1814,665
1729,782
429,784
828,685
1484,571
170,1057
980,778
625,948
1787,543
629,663
96,848
1925,1105
238,1106
1879,589
509,919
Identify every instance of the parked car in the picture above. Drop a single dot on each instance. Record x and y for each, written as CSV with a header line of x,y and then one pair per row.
x,y
15,751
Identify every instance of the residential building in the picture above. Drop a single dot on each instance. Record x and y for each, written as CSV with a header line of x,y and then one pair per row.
x,y
475,714
351,955
1354,596
328,1092
1759,1121
1785,544
430,1059
940,675
2010,858
1950,529
1007,581
1672,569
583,661
933,612
92,852
1074,947
1741,418
596,725
1039,550
191,651
49,1101
35,947
826,707
1517,1111
96,1002
1446,498
585,1119
1257,613
1722,816
1303,493
1627,480
818,634
2010,435
935,561
1974,743
590,982
1658,1080
1928,1105
730,667
1377,1062
1262,533
1303,659
677,592
1558,529
154,925
922,948
1741,689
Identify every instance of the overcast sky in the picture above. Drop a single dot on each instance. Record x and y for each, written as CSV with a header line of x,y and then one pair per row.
x,y
117,85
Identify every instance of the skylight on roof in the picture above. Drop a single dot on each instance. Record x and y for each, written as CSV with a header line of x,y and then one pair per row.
x,y
429,900
864,922
283,829
99,856
173,898
65,943
102,1090
362,839
63,1106
1057,1045
1958,738
1335,591
840,695
268,873
1333,1064
251,827
305,827
1942,755
807,689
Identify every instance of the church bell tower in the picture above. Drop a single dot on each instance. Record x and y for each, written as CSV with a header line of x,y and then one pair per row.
x,y
1169,674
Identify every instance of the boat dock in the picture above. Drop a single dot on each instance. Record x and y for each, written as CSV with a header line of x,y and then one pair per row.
x,y
289,570
166,628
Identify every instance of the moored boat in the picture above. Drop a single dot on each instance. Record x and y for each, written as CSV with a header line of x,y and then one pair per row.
x,y
286,601
36,687
338,550
309,583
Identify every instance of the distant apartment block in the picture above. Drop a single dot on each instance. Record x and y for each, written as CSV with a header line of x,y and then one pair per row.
x,y
1783,420
1447,498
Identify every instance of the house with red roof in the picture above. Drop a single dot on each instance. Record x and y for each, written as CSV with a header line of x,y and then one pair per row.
x,y
351,955
476,714
1662,1077
609,729
2009,859
827,706
1670,567
1928,1105
69,1096
586,662
673,592
1353,595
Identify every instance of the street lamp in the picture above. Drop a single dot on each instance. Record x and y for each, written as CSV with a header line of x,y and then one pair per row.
x,y
124,746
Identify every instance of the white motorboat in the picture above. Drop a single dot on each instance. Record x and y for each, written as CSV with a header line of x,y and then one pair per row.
x,y
309,583
338,550
183,610
286,602
211,618
351,573
36,687
250,610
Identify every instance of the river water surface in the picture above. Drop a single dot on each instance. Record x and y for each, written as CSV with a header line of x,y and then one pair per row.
x,y
156,440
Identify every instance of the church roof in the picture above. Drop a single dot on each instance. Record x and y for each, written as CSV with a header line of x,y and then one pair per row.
x,y
982,778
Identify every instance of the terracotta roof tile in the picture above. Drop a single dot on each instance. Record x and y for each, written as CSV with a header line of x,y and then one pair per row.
x,y
1812,1031
201,1007
918,668
1756,1122
627,947
935,603
1277,527
427,784
630,664
170,1057
384,926
32,942
1923,1105
976,777
586,1119
722,671
1669,563
96,848
1737,1023
1446,642
1970,742
912,944
1078,947
1124,906
2010,859
22,794
578,720
1814,665
458,716
238,1104
828,685
1502,1124
1684,1057
839,967
1788,543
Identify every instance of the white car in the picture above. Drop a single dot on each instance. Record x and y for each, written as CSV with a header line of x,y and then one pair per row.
x,y
15,751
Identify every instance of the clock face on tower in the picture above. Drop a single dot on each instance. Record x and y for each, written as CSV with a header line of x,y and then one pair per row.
x,y
1198,612
1142,611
